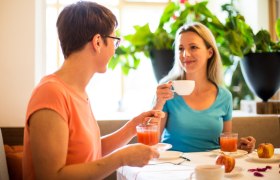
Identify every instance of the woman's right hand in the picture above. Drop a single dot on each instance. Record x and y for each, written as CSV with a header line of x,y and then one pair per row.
x,y
137,155
163,94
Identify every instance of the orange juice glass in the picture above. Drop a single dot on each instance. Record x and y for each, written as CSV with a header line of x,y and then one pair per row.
x,y
148,134
228,142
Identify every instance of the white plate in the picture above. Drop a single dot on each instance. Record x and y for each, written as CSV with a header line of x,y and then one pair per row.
x,y
235,172
162,146
254,156
235,154
170,155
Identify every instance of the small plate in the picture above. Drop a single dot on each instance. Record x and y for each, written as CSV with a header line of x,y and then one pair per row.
x,y
235,172
235,154
164,155
254,156
162,146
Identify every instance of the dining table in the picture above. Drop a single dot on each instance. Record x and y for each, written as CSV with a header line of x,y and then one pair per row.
x,y
247,167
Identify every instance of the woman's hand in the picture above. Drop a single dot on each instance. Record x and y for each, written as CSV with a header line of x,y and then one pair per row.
x,y
137,155
247,143
163,94
122,136
156,115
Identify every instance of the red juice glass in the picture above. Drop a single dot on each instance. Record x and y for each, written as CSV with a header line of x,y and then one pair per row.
x,y
148,134
228,141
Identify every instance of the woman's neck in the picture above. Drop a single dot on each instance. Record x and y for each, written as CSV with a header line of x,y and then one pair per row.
x,y
76,72
202,84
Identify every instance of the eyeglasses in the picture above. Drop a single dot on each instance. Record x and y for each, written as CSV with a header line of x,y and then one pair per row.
x,y
117,41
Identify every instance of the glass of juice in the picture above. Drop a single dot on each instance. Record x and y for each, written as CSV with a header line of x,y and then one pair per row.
x,y
228,141
148,134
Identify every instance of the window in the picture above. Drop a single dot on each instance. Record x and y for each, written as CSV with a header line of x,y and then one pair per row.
x,y
112,94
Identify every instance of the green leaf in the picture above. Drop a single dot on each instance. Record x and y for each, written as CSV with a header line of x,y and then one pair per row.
x,y
277,28
113,62
125,70
263,41
140,38
168,13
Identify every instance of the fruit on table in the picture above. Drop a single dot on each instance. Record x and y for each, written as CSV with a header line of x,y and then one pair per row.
x,y
227,161
265,150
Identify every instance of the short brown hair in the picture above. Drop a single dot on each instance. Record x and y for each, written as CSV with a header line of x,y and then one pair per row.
x,y
79,22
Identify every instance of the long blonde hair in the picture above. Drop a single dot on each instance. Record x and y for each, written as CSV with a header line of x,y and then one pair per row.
x,y
214,65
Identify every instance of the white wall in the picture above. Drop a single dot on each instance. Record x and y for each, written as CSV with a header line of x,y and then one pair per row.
x,y
17,57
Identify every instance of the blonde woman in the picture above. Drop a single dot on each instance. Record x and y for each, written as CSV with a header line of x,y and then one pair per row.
x,y
194,122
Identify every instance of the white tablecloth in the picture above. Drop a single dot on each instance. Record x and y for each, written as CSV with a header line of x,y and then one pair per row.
x,y
167,171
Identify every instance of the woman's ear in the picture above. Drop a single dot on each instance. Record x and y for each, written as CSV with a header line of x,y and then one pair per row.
x,y
96,42
211,52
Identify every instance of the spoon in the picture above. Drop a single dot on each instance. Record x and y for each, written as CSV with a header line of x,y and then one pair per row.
x,y
149,120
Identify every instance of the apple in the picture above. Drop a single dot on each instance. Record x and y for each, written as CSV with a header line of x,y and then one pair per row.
x,y
265,150
227,161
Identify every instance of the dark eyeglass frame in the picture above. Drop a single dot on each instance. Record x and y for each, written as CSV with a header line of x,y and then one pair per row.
x,y
117,40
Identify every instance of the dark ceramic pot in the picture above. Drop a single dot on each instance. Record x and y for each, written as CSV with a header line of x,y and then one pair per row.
x,y
261,72
162,62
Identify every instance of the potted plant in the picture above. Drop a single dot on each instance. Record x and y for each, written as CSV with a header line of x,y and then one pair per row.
x,y
260,56
261,67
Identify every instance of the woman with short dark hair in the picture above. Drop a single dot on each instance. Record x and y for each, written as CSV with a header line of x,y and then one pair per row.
x,y
61,137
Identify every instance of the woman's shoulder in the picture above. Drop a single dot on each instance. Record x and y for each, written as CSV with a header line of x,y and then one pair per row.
x,y
50,84
223,91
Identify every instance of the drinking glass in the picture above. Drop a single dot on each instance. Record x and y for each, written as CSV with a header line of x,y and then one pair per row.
x,y
148,134
228,141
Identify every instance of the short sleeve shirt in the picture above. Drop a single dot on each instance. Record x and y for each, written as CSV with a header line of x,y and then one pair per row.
x,y
190,130
84,134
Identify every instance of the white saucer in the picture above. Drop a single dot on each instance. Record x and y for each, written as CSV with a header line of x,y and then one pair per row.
x,y
235,172
162,146
164,155
235,154
254,156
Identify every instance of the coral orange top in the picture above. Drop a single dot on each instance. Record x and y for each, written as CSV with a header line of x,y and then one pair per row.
x,y
84,134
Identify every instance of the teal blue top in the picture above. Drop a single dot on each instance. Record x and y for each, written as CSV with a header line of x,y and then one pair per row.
x,y
190,130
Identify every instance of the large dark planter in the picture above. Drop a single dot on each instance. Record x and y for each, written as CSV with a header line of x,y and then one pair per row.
x,y
162,62
261,72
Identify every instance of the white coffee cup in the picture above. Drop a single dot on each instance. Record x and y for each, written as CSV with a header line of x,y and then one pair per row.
x,y
208,172
183,87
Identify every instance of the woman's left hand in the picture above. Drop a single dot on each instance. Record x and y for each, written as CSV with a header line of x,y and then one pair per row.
x,y
247,143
